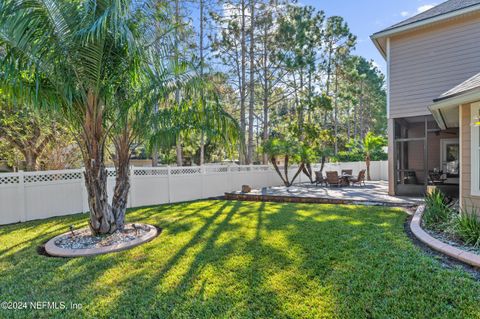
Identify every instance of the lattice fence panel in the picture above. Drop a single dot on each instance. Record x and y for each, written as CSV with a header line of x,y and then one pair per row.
x,y
216,169
186,171
8,180
151,172
261,168
111,173
55,177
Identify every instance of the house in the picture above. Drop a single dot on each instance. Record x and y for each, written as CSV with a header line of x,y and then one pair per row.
x,y
433,100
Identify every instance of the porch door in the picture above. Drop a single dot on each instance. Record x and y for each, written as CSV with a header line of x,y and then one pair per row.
x,y
450,156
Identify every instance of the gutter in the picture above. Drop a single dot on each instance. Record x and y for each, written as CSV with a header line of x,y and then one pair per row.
x,y
452,101
413,25
378,46
417,24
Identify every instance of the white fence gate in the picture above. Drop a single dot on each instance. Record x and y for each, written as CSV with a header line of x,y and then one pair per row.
x,y
28,196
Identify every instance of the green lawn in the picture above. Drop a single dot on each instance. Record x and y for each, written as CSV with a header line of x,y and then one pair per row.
x,y
241,260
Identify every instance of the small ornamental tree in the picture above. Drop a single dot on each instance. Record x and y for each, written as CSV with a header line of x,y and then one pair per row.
x,y
292,151
27,132
318,141
371,144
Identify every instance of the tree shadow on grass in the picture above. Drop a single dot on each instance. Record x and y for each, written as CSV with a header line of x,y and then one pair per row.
x,y
238,259
214,274
25,275
372,269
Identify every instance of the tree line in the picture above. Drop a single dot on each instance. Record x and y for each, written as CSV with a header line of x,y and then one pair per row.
x,y
279,68
282,69
290,71
125,78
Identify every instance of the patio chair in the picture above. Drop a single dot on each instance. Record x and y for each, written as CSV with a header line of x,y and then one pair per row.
x,y
333,179
360,179
319,178
347,171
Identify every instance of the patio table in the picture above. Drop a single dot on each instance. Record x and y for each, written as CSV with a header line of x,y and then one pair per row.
x,y
346,179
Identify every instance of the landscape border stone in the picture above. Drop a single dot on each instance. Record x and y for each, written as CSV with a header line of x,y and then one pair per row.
x,y
53,250
454,252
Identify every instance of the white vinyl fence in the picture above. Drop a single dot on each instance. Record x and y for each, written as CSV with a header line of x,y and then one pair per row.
x,y
28,196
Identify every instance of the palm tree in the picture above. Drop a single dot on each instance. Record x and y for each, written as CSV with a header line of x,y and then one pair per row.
x,y
71,50
96,63
198,113
371,144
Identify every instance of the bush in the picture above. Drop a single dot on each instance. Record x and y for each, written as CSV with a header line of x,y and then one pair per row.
x,y
437,214
467,227
355,155
348,156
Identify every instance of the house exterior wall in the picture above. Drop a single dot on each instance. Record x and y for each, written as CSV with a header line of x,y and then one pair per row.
x,y
425,63
391,157
466,199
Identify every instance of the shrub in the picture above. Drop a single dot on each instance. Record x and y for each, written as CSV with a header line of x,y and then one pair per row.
x,y
437,213
467,226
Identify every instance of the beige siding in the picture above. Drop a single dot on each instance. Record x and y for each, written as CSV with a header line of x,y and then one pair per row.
x,y
391,158
465,194
426,63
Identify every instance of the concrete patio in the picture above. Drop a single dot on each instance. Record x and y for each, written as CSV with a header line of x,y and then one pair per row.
x,y
373,193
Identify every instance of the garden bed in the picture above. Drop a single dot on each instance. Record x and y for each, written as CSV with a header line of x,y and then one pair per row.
x,y
77,243
446,227
452,240
438,245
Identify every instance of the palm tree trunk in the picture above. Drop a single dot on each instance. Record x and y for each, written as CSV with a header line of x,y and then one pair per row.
x,y
367,163
202,149
102,220
122,180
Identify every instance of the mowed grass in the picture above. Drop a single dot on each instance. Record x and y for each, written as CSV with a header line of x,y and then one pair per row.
x,y
228,259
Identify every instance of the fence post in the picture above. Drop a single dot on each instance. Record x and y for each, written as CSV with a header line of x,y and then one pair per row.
x,y
168,183
203,171
131,191
21,195
230,177
85,207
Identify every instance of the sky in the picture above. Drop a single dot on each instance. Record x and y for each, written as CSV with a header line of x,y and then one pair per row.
x,y
366,17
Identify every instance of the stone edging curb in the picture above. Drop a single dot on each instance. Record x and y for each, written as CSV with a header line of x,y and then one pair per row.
x,y
465,256
54,250
309,200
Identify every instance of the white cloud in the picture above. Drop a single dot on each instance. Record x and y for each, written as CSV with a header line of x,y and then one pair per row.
x,y
375,64
404,14
425,7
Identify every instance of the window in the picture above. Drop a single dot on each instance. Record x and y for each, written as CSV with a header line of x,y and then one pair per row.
x,y
475,149
450,156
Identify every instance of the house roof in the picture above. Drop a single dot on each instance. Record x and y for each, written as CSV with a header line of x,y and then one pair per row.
x,y
447,10
441,9
445,107
467,86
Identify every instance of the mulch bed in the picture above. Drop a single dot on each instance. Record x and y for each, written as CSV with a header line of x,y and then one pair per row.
x,y
445,261
84,239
